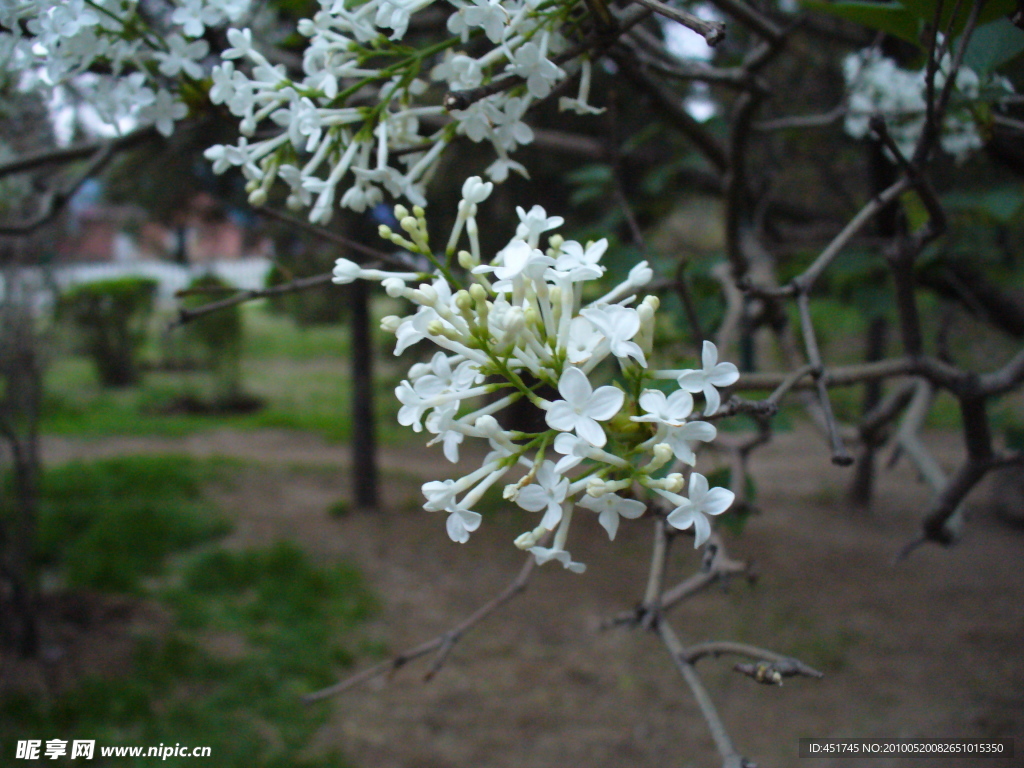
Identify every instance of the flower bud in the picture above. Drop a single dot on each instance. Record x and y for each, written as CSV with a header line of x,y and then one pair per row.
x,y
530,317
488,425
425,294
514,323
525,540
401,212
674,483
390,323
384,231
596,488
464,302
466,260
258,197
394,287
477,292
640,275
346,271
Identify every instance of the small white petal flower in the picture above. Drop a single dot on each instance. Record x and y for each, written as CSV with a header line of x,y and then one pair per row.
x,y
460,523
682,438
618,325
546,494
694,510
712,374
672,410
583,407
610,508
546,554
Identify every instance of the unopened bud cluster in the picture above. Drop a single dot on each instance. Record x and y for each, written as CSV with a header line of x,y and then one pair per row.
x,y
519,327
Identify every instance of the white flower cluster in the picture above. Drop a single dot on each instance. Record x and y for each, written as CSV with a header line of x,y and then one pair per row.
x,y
877,86
363,116
520,325
126,70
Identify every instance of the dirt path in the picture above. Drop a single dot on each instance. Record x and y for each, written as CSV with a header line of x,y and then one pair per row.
x,y
929,647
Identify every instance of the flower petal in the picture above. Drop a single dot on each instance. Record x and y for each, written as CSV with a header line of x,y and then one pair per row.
x,y
533,498
590,431
712,400
456,528
698,430
575,387
701,530
605,403
698,488
691,380
708,355
717,501
552,516
631,509
682,517
724,375
561,416
609,520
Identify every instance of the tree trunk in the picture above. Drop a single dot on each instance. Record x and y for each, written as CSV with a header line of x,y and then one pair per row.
x,y
862,487
364,438
21,377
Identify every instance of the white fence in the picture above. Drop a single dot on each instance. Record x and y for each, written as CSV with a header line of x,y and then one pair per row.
x,y
245,274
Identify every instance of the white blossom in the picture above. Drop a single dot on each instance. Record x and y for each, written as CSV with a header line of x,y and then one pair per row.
x,y
583,407
694,511
712,374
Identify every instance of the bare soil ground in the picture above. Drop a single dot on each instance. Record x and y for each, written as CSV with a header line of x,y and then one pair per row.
x,y
931,646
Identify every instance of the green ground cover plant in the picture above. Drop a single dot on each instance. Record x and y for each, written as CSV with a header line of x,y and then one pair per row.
x,y
141,527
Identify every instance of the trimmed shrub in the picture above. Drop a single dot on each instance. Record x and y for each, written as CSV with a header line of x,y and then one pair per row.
x,y
216,337
110,319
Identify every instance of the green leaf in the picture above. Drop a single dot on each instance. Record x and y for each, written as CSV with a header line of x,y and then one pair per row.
x,y
1001,203
907,19
993,45
891,18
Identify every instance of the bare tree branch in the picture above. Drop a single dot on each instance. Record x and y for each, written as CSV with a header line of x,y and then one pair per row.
x,y
443,643
55,199
776,664
79,152
730,757
713,32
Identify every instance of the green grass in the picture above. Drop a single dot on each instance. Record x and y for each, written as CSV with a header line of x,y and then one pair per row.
x,y
301,374
107,524
250,630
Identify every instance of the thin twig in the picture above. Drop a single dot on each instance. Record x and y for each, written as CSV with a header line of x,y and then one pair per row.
x,y
682,289
752,18
840,456
443,643
730,757
56,199
805,280
802,121
713,32
78,152
188,314
656,575
332,237
776,663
